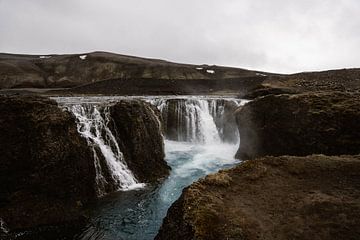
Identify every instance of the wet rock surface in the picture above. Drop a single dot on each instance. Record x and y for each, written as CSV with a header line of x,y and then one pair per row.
x,y
226,122
314,197
46,169
174,120
300,124
140,137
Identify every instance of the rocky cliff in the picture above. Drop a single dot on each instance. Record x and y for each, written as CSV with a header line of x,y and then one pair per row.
x,y
139,134
314,197
46,168
300,124
226,122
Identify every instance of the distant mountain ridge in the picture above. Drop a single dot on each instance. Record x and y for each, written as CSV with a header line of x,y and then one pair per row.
x,y
71,70
110,73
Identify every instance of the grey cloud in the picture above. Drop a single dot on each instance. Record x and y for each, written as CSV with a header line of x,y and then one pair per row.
x,y
277,35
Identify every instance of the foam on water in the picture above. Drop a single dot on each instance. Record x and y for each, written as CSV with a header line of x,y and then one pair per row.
x,y
138,215
92,124
204,157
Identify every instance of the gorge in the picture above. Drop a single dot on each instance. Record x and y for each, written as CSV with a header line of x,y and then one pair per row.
x,y
116,147
194,147
193,134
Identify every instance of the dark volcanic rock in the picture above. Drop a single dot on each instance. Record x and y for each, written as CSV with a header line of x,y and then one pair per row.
x,y
174,119
46,168
301,124
264,90
140,136
226,122
314,197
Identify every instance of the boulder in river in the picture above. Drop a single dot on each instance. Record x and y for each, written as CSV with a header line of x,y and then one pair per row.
x,y
300,125
314,197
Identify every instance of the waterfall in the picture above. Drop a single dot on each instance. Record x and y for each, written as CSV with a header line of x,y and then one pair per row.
x,y
3,227
207,129
195,119
112,172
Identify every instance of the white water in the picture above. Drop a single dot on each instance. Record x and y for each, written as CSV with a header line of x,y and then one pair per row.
x,y
92,124
205,157
138,215
194,122
3,227
207,128
199,117
196,116
198,152
113,99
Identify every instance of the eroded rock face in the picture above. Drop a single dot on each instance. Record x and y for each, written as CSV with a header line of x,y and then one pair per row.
x,y
174,120
46,169
140,137
226,122
314,197
300,124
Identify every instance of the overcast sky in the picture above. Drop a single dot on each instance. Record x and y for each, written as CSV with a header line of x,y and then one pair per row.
x,y
270,35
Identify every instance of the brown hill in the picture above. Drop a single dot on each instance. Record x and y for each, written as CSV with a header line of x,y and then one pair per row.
x,y
59,71
110,73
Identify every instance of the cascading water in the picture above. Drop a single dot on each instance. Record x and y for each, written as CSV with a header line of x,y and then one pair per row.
x,y
3,227
195,120
93,124
197,143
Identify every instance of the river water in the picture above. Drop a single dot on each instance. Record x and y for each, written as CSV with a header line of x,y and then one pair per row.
x,y
138,213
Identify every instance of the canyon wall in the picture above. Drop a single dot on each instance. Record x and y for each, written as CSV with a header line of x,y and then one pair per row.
x,y
300,124
46,174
